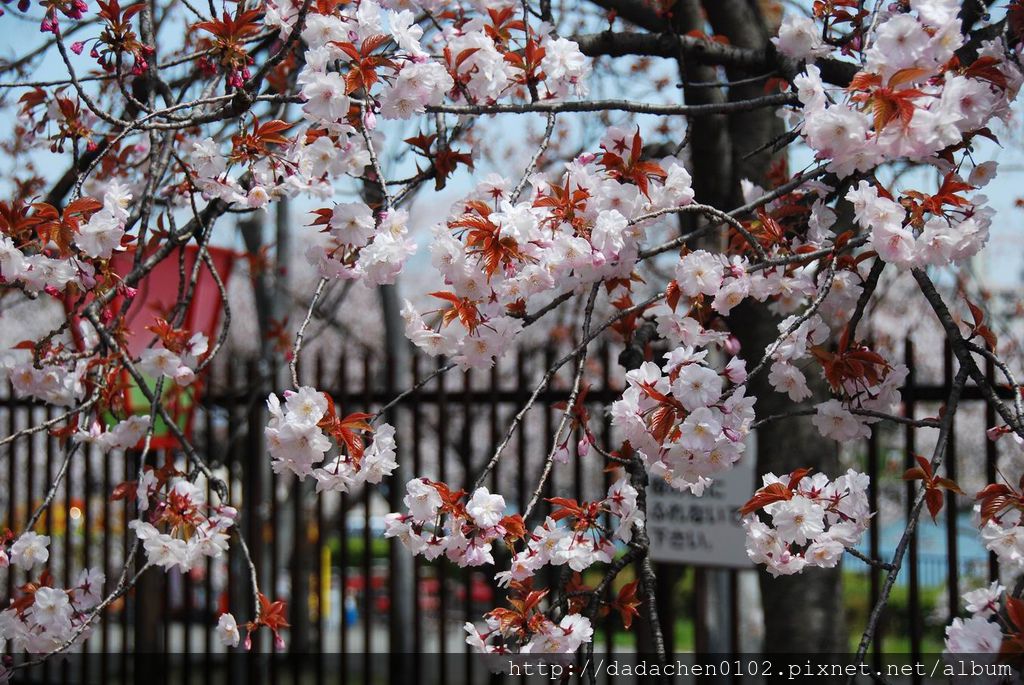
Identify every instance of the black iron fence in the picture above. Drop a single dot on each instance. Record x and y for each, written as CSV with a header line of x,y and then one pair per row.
x,y
353,594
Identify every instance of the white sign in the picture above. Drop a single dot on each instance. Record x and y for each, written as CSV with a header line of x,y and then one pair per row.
x,y
705,530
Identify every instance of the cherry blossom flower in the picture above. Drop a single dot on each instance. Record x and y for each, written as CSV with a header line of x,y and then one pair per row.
x,y
227,630
30,550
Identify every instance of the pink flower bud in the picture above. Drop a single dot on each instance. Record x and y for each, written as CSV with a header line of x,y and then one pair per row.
x,y
184,376
77,47
736,370
257,197
732,345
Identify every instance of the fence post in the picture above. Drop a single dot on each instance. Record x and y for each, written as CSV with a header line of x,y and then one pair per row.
x,y
913,589
952,509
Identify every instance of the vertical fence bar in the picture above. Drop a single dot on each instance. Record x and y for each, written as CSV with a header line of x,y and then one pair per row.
x,y
343,556
126,540
47,482
318,561
416,407
252,496
396,627
442,570
232,405
734,621
68,551
522,394
552,572
267,477
12,470
606,437
550,488
952,511
991,456
466,453
494,436
187,616
107,534
874,549
367,546
913,589
208,610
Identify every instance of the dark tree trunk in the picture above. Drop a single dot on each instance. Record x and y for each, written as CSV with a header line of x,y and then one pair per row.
x,y
805,612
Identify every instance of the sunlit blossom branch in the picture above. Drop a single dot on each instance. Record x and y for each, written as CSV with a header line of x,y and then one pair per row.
x,y
293,363
124,585
710,212
1004,369
550,373
811,310
541,149
874,563
785,188
570,405
619,106
811,411
50,423
218,485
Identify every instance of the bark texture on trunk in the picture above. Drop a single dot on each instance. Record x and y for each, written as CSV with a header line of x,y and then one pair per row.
x,y
805,612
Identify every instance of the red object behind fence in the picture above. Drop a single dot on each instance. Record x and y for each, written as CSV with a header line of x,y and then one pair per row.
x,y
156,296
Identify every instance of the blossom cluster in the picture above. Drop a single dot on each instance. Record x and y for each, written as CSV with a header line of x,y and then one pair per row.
x,y
98,230
500,257
487,57
439,523
43,618
680,421
1004,536
178,362
979,634
299,436
121,436
356,245
808,520
537,635
581,545
178,527
913,100
54,382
